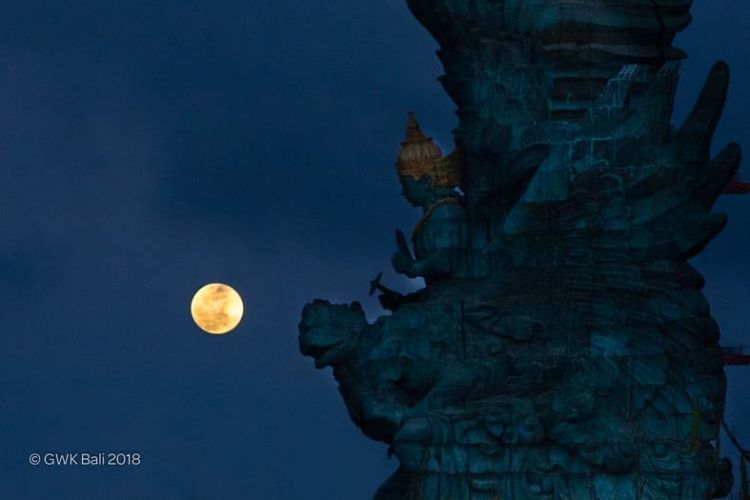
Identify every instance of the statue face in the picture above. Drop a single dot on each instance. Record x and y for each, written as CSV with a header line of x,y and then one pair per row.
x,y
417,192
328,332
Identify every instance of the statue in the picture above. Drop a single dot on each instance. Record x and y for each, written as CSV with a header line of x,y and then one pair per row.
x,y
430,181
561,347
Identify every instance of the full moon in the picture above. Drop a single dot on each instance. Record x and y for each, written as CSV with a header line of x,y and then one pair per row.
x,y
216,308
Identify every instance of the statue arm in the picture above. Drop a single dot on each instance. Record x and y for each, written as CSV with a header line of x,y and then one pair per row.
x,y
440,233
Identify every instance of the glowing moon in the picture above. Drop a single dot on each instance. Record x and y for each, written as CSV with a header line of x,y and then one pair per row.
x,y
216,308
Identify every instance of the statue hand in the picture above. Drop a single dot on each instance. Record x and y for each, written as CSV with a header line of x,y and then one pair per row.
x,y
401,244
402,263
402,260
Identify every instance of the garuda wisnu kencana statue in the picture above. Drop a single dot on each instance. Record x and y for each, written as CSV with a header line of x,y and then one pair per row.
x,y
561,348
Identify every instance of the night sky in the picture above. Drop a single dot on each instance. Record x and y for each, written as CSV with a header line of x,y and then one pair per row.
x,y
148,147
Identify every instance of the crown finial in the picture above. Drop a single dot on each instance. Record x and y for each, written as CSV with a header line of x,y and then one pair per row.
x,y
414,134
419,157
417,154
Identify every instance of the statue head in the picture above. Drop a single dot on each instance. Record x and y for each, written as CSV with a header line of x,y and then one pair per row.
x,y
329,332
424,174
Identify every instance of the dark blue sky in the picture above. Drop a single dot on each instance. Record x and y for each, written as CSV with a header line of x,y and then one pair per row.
x,y
149,147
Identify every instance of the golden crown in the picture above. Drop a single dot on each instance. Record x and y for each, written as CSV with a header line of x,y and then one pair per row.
x,y
418,157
